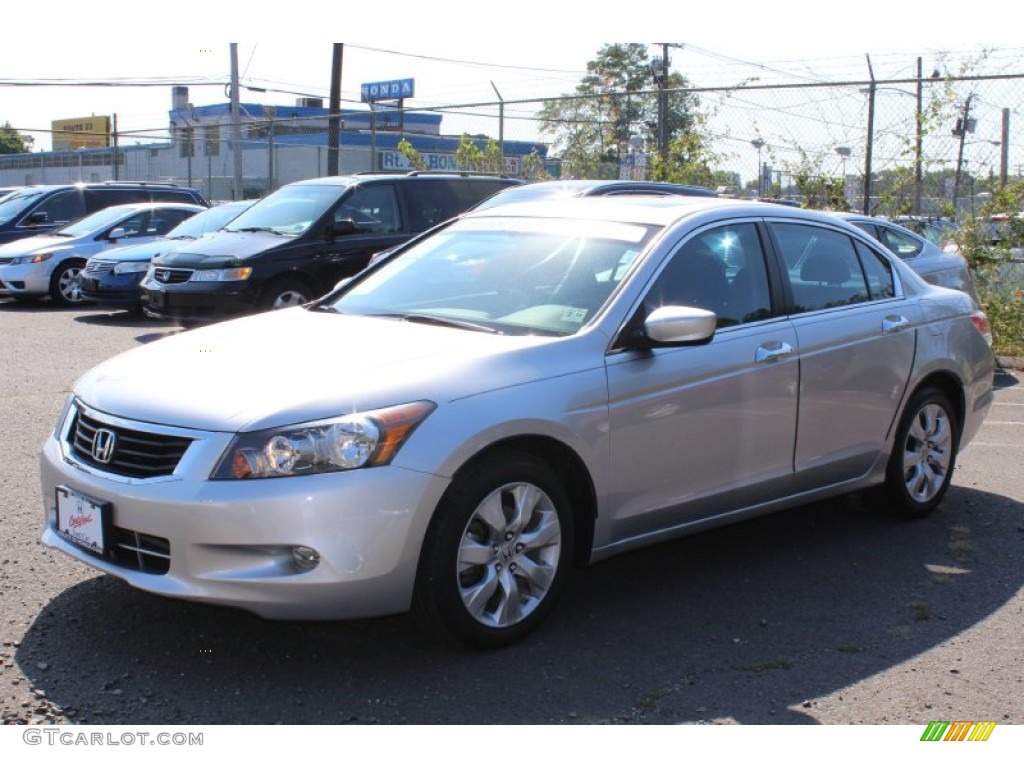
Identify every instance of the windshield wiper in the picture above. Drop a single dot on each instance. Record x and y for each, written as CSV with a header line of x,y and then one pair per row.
x,y
256,229
450,322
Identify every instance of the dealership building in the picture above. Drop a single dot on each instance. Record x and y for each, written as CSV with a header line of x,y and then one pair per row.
x,y
278,145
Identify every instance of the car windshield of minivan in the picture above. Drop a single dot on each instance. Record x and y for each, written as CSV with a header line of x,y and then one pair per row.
x,y
15,203
505,275
92,223
290,210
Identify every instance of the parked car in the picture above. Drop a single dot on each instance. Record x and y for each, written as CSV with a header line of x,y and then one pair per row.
x,y
522,389
49,265
297,242
38,209
113,277
565,188
935,265
939,231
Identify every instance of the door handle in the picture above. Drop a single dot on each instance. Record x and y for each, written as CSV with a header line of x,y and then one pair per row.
x,y
772,351
893,323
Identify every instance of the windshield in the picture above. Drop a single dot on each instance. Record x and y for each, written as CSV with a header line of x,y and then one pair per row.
x,y
291,210
508,275
94,222
208,221
13,204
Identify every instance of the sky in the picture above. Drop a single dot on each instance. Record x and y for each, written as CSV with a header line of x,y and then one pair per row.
x,y
457,52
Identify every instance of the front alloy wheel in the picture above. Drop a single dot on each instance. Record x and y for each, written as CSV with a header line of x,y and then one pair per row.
x,y
497,553
65,285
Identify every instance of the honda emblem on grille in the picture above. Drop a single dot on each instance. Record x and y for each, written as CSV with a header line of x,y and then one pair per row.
x,y
103,445
163,275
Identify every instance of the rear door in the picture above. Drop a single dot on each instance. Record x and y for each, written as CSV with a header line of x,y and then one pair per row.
x,y
856,336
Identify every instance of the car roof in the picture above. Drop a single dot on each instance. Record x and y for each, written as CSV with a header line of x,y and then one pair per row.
x,y
362,178
661,210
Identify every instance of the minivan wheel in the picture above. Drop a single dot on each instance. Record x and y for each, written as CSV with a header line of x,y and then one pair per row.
x,y
64,286
497,553
284,294
923,455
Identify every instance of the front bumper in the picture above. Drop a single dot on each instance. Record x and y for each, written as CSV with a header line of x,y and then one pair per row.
x,y
122,290
26,279
230,542
200,302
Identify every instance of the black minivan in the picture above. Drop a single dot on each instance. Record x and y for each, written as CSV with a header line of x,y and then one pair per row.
x,y
40,208
295,244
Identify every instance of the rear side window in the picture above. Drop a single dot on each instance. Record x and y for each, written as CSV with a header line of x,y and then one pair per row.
x,y
900,243
98,199
822,267
878,273
372,208
429,202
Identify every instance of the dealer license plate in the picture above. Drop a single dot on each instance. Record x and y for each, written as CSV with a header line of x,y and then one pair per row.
x,y
80,520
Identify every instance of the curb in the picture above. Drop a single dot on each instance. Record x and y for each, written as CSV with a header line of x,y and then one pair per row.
x,y
1010,363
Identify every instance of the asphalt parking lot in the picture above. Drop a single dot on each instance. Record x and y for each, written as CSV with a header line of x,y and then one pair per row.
x,y
832,613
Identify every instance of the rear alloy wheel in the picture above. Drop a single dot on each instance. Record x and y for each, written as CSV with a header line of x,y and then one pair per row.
x,y
285,294
65,288
498,552
923,455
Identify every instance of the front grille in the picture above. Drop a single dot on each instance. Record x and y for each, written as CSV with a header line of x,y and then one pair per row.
x,y
98,267
169,276
140,551
6,260
134,454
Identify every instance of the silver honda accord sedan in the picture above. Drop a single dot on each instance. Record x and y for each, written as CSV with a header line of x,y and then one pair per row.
x,y
528,388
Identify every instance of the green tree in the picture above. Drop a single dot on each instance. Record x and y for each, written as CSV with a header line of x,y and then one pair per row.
x,y
11,142
613,101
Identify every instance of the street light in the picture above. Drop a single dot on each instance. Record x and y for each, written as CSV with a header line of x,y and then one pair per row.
x,y
844,152
758,144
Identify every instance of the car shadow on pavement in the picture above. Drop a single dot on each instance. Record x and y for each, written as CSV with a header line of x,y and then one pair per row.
x,y
750,624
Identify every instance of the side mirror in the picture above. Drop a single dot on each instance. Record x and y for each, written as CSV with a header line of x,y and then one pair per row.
x,y
676,326
341,227
39,217
116,233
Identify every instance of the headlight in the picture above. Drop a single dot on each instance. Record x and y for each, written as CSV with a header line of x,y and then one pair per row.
x,y
366,439
218,275
36,259
127,267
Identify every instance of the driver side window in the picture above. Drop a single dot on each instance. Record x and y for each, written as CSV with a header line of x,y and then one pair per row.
x,y
721,270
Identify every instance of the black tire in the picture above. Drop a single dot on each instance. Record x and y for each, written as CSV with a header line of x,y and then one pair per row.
x,y
285,293
65,289
923,455
521,562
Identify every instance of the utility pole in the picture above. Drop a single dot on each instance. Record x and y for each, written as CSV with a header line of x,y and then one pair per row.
x,y
871,140
918,140
334,112
961,129
1004,148
236,126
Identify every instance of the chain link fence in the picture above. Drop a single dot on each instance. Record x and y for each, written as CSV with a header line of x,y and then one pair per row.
x,y
920,145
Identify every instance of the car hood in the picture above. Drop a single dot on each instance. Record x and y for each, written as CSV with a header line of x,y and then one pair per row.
x,y
37,244
223,249
299,365
142,251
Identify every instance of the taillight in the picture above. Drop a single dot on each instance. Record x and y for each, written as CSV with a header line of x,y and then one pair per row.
x,y
980,320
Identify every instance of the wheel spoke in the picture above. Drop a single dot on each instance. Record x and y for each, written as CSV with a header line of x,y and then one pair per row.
x,y
539,575
477,596
509,609
492,515
473,553
526,498
546,533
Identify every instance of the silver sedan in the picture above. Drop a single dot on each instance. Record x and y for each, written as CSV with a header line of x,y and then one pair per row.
x,y
936,265
528,388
